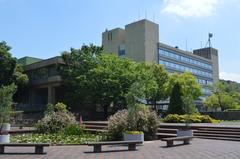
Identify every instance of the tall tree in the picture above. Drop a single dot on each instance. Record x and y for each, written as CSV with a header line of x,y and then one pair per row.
x,y
11,72
96,80
220,98
176,105
160,75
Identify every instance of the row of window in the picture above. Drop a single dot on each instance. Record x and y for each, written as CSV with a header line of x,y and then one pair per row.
x,y
185,68
202,81
184,59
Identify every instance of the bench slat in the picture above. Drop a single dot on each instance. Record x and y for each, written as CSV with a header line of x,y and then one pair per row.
x,y
177,138
23,144
114,143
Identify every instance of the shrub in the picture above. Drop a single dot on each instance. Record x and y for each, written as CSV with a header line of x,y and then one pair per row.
x,y
145,121
118,123
134,132
74,130
175,118
55,122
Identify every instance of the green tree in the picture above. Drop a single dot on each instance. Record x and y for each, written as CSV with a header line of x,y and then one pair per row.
x,y
160,76
176,103
220,98
188,84
6,99
190,90
11,72
96,80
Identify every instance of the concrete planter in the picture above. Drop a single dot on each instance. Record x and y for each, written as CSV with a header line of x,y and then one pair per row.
x,y
128,137
6,127
184,132
5,137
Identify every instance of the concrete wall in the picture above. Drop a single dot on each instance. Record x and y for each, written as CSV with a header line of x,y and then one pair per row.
x,y
211,54
111,40
141,41
224,115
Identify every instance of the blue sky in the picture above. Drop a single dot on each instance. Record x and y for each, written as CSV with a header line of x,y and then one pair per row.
x,y
45,28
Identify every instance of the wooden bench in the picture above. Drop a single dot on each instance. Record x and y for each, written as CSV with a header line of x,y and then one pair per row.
x,y
97,146
185,139
38,146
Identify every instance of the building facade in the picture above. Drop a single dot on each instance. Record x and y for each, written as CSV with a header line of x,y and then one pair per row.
x,y
139,41
45,83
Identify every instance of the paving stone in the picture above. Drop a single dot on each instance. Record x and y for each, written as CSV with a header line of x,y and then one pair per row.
x,y
198,149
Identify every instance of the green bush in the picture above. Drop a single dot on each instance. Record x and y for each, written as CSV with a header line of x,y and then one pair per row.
x,y
134,132
145,121
74,130
175,118
55,122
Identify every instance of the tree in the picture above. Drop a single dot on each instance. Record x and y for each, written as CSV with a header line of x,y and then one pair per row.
x,y
6,95
176,103
190,90
188,84
11,72
96,80
160,75
220,98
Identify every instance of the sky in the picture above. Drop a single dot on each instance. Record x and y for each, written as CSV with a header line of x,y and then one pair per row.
x,y
45,28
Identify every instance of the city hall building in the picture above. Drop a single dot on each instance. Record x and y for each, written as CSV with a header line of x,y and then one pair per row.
x,y
138,41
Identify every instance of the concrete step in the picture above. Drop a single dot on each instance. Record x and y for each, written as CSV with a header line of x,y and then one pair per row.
x,y
218,138
216,135
220,129
95,126
218,132
103,123
96,130
165,130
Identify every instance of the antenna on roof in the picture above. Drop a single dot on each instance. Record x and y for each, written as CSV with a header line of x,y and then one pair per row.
x,y
186,44
209,44
138,14
145,14
153,17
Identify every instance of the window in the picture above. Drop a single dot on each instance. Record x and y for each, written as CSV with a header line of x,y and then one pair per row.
x,y
185,59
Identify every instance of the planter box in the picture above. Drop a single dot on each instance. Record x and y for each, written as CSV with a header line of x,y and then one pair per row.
x,y
184,132
5,138
6,127
128,137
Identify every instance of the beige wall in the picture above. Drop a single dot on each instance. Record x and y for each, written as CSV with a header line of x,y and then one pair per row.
x,y
141,41
112,39
212,55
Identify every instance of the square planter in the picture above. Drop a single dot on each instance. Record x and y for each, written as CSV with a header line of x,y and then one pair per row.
x,y
128,137
4,139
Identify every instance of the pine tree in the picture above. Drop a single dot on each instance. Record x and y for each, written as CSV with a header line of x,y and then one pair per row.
x,y
176,103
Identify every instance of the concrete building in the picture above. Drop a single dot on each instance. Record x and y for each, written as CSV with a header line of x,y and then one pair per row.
x,y
44,81
139,41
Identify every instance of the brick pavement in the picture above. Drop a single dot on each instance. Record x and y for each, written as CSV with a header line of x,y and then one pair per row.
x,y
199,149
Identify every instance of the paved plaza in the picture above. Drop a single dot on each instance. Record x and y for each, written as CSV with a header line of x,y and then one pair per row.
x,y
199,149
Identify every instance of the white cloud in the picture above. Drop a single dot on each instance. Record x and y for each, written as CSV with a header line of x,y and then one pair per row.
x,y
190,8
230,76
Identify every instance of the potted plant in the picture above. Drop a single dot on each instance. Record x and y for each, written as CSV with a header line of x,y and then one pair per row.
x,y
133,135
6,95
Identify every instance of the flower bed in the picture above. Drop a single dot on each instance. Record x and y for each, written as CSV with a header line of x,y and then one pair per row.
x,y
55,139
